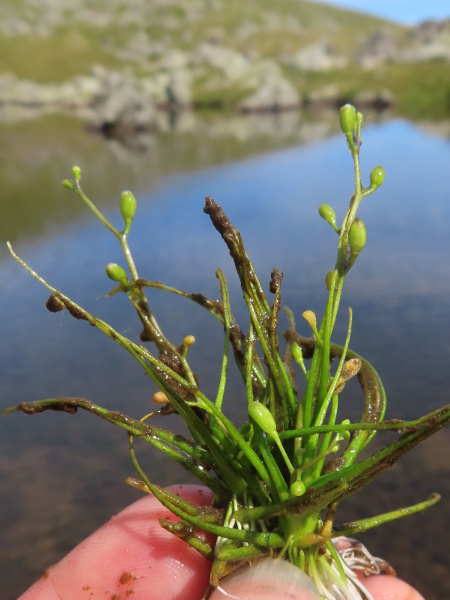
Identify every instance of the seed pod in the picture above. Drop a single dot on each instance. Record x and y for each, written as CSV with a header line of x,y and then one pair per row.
x,y
263,417
297,352
351,367
54,304
376,176
329,279
357,236
127,207
347,118
327,213
116,273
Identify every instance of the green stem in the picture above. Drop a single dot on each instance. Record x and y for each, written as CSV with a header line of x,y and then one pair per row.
x,y
100,216
393,425
364,524
279,489
226,344
326,439
193,458
172,502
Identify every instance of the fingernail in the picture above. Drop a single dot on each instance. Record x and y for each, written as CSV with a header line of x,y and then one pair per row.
x,y
267,579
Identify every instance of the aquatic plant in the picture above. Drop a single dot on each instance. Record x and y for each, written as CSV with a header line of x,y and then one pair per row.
x,y
279,476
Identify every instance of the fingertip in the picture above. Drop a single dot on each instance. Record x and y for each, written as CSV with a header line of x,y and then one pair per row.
x,y
267,579
131,554
41,590
387,587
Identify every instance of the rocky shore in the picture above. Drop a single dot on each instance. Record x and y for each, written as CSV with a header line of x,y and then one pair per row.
x,y
208,73
117,103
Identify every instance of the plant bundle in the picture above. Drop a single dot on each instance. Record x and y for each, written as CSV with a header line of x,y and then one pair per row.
x,y
279,476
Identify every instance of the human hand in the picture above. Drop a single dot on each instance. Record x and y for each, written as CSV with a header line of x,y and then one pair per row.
x,y
133,556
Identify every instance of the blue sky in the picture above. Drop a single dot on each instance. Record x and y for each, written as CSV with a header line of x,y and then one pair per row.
x,y
402,11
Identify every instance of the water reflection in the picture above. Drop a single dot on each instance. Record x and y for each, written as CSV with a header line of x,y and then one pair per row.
x,y
64,474
36,156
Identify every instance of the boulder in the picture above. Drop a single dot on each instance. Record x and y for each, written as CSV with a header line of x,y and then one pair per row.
x,y
169,90
317,57
379,100
123,108
273,91
324,97
429,51
232,63
380,47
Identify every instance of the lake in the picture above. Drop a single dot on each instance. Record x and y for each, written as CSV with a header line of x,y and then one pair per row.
x,y
63,476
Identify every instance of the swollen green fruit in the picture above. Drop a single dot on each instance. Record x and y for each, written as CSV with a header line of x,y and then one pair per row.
x,y
357,236
376,176
297,352
347,118
297,488
116,273
329,279
127,207
263,417
327,213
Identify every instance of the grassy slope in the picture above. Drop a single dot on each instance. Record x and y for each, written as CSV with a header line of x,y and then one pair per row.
x,y
260,28
55,59
75,46
420,89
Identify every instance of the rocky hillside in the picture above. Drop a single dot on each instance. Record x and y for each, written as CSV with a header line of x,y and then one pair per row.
x,y
116,63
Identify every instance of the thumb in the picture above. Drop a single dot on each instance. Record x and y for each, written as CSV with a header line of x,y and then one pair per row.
x,y
268,579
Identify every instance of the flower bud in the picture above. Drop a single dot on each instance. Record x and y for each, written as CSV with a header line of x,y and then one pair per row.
x,y
357,236
359,121
116,273
347,118
309,316
69,184
376,176
327,213
160,398
262,417
76,171
345,435
127,206
189,340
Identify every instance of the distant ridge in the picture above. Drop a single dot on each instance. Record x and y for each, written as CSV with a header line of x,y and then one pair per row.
x,y
113,58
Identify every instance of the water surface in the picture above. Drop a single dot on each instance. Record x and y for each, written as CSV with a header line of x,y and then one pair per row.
x,y
63,475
